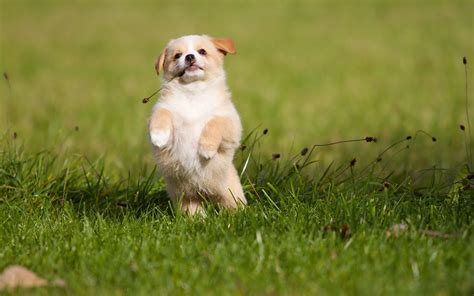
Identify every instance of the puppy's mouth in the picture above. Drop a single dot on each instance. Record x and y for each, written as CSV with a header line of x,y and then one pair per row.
x,y
190,68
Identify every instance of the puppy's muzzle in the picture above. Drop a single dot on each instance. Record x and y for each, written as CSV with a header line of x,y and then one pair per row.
x,y
190,64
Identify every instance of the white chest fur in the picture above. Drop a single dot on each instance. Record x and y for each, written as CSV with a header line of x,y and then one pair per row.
x,y
191,109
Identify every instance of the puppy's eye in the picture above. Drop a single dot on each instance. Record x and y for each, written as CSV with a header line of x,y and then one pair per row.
x,y
177,56
202,51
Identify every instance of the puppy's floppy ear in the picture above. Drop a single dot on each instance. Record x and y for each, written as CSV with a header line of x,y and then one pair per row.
x,y
224,45
160,61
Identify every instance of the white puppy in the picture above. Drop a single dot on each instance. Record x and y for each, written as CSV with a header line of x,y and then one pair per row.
x,y
194,127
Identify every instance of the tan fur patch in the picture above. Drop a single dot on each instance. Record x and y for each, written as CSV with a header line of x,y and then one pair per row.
x,y
161,120
216,130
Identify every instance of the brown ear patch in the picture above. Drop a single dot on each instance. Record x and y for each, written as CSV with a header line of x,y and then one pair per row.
x,y
224,45
160,62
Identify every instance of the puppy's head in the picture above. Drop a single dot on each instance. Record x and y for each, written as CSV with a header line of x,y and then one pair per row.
x,y
193,58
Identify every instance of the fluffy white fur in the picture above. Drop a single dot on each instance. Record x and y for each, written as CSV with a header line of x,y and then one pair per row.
x,y
194,127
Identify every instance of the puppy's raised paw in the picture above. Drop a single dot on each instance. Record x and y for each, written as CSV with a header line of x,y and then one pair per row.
x,y
207,150
160,138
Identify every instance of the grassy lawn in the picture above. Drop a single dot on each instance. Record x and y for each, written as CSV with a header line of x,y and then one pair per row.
x,y
80,200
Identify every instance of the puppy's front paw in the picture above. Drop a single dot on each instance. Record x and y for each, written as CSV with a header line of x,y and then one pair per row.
x,y
160,138
207,150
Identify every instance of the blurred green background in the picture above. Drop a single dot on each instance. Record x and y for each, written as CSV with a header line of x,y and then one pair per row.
x,y
310,71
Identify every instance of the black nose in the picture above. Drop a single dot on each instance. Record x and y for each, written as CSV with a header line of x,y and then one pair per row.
x,y
189,58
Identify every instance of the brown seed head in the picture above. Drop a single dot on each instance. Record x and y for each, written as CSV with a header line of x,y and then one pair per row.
x,y
353,162
304,151
345,231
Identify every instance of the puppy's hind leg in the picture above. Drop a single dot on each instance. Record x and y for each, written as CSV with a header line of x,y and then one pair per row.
x,y
189,205
231,194
192,206
186,204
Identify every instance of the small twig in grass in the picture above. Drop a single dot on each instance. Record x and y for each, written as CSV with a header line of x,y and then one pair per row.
x,y
308,155
324,175
393,155
434,139
253,187
407,138
249,147
379,157
342,171
468,141
366,139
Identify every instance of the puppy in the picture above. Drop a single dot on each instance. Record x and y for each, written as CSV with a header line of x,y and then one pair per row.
x,y
194,127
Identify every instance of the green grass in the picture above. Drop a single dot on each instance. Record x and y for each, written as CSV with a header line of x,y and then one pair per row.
x,y
85,204
71,220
